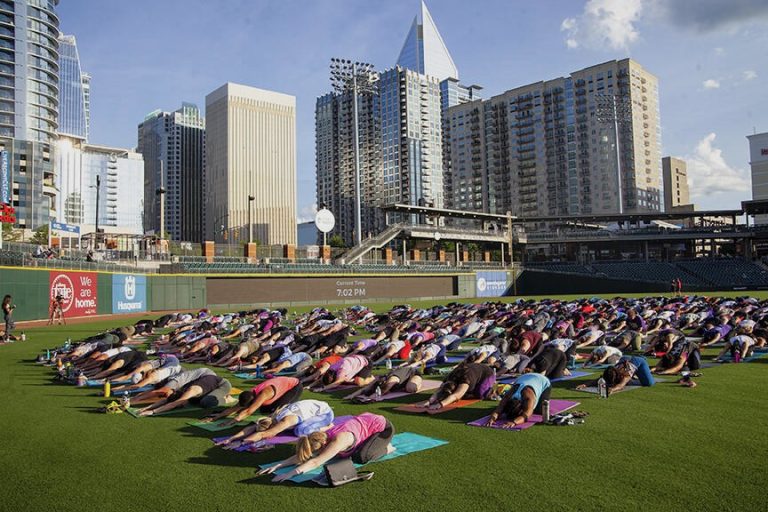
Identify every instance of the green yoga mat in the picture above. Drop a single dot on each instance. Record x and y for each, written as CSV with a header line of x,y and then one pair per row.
x,y
215,426
404,444
135,411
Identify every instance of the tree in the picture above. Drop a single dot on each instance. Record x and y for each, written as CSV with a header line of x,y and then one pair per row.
x,y
10,234
337,241
41,235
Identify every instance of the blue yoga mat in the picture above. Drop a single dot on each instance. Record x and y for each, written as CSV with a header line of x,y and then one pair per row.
x,y
573,375
134,391
404,444
100,383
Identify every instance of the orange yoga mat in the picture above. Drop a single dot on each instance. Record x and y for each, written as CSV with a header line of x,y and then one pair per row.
x,y
455,405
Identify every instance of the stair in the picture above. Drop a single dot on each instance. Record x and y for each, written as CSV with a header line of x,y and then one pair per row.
x,y
376,242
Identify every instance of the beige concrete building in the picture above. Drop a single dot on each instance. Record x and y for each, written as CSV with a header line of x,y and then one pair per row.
x,y
758,162
250,150
542,149
676,192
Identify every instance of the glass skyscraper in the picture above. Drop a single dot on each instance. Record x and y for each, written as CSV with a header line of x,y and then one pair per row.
x,y
73,107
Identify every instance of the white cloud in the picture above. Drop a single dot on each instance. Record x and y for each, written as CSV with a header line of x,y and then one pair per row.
x,y
711,84
719,51
307,213
750,74
710,174
604,24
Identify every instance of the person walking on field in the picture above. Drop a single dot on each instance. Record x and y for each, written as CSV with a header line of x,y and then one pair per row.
x,y
56,311
679,287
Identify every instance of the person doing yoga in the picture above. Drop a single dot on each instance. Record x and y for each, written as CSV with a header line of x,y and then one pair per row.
x,y
522,400
362,438
618,376
265,397
473,379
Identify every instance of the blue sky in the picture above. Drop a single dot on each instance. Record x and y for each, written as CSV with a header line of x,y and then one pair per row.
x,y
711,58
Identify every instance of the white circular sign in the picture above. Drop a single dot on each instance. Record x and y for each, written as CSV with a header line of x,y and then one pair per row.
x,y
324,220
437,236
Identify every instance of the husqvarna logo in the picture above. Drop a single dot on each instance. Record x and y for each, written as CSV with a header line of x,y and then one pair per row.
x,y
130,287
482,284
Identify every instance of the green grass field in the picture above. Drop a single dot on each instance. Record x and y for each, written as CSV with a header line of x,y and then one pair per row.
x,y
661,448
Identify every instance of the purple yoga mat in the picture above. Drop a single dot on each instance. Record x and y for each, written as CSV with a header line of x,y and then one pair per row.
x,y
555,407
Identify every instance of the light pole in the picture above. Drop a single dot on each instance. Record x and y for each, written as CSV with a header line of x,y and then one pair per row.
x,y
359,78
96,235
250,219
616,109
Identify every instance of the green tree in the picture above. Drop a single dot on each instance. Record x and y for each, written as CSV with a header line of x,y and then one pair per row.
x,y
41,235
337,241
10,234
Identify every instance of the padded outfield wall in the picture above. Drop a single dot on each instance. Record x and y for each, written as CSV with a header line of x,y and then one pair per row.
x,y
102,293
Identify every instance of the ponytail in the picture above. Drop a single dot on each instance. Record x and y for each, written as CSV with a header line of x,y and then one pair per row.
x,y
264,423
308,445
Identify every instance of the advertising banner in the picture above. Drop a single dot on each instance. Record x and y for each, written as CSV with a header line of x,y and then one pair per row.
x,y
77,290
129,293
5,179
491,284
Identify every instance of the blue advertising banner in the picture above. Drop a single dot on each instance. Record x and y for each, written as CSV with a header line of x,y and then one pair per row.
x,y
490,284
5,179
69,228
129,293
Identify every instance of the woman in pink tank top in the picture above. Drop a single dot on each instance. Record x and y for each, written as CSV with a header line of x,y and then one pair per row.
x,y
364,438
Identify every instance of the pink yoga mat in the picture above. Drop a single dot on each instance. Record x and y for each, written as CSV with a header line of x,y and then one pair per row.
x,y
555,407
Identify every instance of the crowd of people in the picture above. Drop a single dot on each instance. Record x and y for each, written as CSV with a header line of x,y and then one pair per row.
x,y
527,343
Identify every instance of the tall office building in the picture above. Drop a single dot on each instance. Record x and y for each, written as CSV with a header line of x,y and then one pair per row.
x,y
543,149
74,85
29,107
121,191
424,50
173,145
758,162
676,192
250,151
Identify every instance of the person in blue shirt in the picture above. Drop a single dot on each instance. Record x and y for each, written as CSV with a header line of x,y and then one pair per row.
x,y
522,401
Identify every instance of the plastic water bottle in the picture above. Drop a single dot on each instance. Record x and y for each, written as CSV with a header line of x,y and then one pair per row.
x,y
47,354
602,389
23,337
82,380
378,392
68,343
126,401
388,364
107,389
545,413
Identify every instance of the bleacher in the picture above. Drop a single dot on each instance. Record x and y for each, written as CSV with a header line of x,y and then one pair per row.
x,y
728,272
648,271
570,268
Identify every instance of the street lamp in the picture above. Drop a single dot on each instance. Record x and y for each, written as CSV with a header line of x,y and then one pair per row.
x,y
357,78
161,192
98,188
250,219
616,109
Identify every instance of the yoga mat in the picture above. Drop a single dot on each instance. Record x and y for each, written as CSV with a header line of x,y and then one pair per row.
x,y
404,444
235,391
135,411
593,389
142,389
418,410
216,426
555,407
100,383
427,385
273,441
247,376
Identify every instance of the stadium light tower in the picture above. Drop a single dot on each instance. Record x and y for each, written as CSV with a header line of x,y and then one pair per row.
x,y
359,78
616,109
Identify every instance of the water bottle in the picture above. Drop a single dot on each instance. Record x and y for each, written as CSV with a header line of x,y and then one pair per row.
x,y
107,389
545,411
378,392
572,361
47,354
82,380
737,356
23,337
602,389
388,364
68,343
126,401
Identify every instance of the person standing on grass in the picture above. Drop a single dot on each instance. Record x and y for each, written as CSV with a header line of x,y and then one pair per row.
x,y
56,310
8,308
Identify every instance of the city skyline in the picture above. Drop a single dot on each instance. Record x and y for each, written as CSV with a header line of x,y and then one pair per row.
x,y
703,57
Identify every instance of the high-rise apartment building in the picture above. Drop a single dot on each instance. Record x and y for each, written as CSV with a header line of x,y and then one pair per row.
x,y
250,151
544,149
335,161
74,87
676,192
29,106
173,145
401,134
121,191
